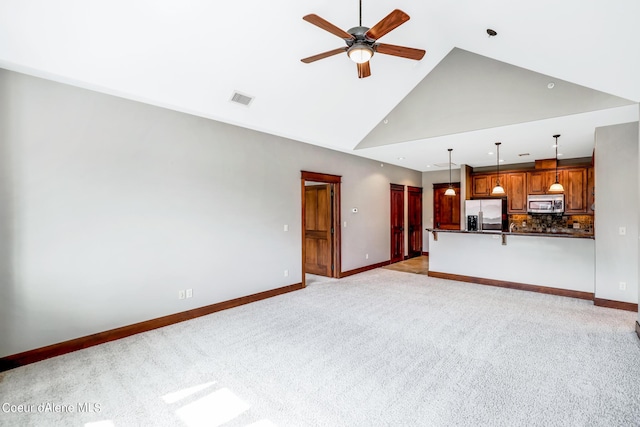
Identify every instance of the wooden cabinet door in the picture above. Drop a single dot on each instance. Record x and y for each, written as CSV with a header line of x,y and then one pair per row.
x,y
516,192
575,190
591,191
504,182
481,185
538,182
446,209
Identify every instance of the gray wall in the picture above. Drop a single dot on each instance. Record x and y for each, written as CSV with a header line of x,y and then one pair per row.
x,y
616,196
428,179
108,207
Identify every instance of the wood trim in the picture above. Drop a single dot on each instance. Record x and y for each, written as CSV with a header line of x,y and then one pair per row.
x,y
336,249
365,268
303,217
514,285
337,235
321,177
628,306
446,185
425,253
36,355
638,329
397,187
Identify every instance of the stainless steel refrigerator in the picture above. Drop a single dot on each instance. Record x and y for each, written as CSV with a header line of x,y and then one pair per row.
x,y
490,214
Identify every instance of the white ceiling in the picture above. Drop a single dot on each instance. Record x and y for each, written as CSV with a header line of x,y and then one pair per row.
x,y
191,55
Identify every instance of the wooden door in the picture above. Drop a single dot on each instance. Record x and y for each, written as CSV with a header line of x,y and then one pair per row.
x,y
446,209
397,223
415,221
318,245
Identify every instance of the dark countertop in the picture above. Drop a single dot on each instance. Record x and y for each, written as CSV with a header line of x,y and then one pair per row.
x,y
576,235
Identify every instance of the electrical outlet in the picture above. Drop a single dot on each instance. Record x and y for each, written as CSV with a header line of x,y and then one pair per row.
x,y
623,286
181,294
622,231
366,256
286,273
286,227
345,224
189,293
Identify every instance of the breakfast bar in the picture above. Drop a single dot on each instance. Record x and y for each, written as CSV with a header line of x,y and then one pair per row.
x,y
562,264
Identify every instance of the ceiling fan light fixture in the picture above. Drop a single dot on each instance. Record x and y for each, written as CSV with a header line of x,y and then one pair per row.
x,y
360,53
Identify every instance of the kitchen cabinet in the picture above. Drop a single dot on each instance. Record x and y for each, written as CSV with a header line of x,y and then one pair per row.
x,y
591,190
538,182
578,183
575,190
516,188
482,184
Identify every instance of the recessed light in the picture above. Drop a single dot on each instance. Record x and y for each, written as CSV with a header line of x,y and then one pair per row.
x,y
501,160
554,146
428,166
385,121
559,154
551,85
400,158
490,153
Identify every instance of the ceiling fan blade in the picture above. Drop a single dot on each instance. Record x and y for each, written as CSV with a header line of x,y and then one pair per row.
x,y
327,26
404,52
324,55
388,23
364,70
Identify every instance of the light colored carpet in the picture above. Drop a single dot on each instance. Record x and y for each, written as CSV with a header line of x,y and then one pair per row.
x,y
382,348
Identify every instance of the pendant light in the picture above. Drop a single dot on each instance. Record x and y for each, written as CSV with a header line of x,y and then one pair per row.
x,y
556,187
450,191
498,190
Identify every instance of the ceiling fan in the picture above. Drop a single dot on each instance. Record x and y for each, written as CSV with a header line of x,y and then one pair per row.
x,y
362,41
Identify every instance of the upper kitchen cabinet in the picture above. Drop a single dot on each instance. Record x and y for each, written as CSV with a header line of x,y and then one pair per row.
x,y
516,189
482,184
538,182
575,190
591,190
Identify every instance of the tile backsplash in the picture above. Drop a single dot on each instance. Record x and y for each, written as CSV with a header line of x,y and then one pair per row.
x,y
546,223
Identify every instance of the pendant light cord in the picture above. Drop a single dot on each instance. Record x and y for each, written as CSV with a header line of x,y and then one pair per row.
x,y
450,149
498,161
360,13
557,157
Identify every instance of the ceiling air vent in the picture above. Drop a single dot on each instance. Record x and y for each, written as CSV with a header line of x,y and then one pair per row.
x,y
241,99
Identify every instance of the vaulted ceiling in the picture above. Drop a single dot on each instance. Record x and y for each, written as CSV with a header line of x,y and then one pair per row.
x,y
469,91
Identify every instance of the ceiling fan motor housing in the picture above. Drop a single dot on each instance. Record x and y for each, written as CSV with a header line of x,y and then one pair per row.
x,y
360,37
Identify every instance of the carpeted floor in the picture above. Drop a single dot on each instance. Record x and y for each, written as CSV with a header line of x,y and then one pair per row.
x,y
382,348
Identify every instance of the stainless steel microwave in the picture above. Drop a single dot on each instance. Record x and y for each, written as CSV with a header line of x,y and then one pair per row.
x,y
545,203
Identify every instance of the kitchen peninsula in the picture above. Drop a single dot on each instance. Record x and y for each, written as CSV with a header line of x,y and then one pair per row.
x,y
556,263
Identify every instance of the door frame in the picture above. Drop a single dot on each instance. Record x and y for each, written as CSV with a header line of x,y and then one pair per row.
x,y
336,239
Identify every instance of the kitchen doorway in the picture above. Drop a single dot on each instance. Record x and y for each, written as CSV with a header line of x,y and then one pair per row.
x,y
321,239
